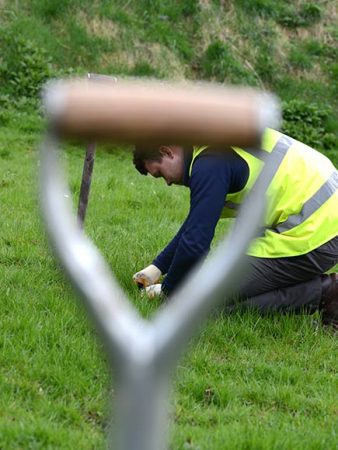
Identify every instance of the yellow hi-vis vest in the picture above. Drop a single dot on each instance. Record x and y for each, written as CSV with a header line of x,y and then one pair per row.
x,y
302,198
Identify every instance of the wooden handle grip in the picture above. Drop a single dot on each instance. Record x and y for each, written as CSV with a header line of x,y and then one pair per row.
x,y
133,111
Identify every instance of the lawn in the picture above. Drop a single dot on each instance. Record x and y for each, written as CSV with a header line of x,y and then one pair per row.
x,y
245,382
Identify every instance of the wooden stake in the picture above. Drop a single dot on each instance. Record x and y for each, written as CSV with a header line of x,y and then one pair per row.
x,y
88,166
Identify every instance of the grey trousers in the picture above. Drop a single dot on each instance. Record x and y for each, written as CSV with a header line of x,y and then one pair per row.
x,y
290,284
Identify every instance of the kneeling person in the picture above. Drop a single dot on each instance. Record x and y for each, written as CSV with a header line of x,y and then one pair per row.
x,y
300,241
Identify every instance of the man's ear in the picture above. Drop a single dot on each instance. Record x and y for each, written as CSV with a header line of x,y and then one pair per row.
x,y
166,151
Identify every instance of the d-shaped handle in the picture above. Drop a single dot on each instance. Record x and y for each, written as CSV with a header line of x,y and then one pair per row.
x,y
144,353
132,112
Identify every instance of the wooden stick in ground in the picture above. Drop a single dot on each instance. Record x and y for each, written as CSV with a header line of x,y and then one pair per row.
x,y
88,166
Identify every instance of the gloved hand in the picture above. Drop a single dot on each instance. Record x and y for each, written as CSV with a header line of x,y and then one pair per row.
x,y
147,276
154,291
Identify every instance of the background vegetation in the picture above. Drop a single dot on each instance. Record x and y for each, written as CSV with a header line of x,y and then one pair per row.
x,y
289,47
247,382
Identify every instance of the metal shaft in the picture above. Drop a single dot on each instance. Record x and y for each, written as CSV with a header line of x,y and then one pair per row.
x,y
143,354
141,409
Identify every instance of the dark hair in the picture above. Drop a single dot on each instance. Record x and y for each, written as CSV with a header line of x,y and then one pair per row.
x,y
143,153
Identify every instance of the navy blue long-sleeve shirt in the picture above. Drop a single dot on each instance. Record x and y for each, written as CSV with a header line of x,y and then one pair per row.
x,y
214,175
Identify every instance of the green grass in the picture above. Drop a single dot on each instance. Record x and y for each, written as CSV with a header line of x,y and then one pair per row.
x,y
245,383
52,379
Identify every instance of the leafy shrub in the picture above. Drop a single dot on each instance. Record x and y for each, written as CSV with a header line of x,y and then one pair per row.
x,y
219,63
26,68
309,123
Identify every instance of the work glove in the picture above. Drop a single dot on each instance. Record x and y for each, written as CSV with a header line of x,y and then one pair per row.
x,y
154,291
148,276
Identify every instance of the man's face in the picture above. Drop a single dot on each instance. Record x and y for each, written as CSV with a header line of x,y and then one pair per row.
x,y
170,167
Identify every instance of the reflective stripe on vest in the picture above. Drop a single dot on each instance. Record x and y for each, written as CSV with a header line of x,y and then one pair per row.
x,y
309,207
278,153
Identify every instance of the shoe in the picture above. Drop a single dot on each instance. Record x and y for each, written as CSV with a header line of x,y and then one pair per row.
x,y
329,301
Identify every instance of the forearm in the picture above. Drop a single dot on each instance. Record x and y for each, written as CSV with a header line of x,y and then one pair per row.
x,y
189,252
164,260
